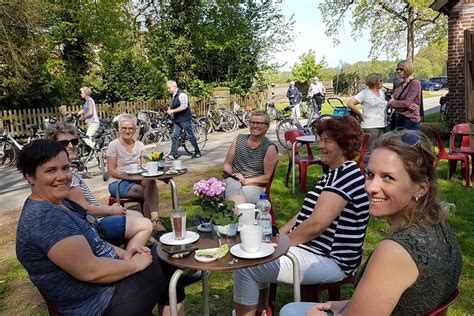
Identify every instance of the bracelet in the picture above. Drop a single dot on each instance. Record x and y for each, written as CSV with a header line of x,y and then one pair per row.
x,y
329,312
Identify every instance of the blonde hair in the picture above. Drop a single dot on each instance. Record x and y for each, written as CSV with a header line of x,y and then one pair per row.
x,y
407,67
418,160
86,91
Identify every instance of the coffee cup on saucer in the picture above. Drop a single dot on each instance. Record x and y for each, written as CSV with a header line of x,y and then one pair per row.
x,y
177,165
133,168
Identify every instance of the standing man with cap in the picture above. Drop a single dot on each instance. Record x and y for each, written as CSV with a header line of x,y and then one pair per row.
x,y
318,92
294,97
182,119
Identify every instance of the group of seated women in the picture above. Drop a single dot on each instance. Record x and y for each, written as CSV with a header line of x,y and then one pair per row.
x,y
412,271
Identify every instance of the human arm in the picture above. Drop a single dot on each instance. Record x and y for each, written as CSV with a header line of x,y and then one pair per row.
x,y
75,194
410,95
74,255
183,99
112,167
352,105
269,162
289,225
229,159
389,272
328,206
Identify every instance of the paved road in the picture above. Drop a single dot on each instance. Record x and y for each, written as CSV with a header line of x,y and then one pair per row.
x,y
14,190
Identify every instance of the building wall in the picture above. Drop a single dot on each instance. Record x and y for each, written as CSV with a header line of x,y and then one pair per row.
x,y
461,18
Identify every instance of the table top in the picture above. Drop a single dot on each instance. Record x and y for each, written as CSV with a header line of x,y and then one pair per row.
x,y
306,139
210,240
139,177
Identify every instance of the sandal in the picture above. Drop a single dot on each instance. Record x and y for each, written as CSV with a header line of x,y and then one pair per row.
x,y
158,226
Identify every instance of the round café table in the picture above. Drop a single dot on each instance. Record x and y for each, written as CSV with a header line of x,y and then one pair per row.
x,y
211,240
166,178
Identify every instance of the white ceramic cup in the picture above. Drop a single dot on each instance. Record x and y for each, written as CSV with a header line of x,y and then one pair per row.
x,y
248,213
251,238
177,164
152,167
133,167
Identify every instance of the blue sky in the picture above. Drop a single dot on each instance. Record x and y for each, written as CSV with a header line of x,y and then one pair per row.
x,y
308,33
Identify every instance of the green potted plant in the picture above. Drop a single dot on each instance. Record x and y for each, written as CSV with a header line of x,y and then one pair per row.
x,y
215,207
155,161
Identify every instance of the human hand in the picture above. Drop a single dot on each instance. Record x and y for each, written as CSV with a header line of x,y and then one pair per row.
x,y
169,111
239,177
336,307
141,260
117,209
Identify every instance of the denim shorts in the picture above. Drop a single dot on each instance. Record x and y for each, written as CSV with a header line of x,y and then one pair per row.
x,y
125,186
114,227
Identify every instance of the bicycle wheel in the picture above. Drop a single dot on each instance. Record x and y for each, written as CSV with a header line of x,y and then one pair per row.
x,y
200,133
164,143
229,122
282,127
7,154
246,118
152,136
205,122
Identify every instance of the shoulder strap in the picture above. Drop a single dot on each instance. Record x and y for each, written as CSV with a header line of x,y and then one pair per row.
x,y
404,88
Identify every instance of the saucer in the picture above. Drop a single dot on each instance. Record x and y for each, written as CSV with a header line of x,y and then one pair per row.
x,y
205,227
168,239
147,174
134,172
205,258
265,251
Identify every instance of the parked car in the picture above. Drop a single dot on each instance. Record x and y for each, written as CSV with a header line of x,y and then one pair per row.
x,y
430,85
442,80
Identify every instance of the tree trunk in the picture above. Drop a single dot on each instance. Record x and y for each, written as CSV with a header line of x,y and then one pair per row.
x,y
410,34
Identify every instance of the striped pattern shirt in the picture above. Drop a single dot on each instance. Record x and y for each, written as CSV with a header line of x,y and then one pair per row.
x,y
77,181
344,238
248,161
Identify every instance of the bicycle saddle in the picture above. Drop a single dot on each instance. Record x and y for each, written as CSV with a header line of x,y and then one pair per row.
x,y
32,126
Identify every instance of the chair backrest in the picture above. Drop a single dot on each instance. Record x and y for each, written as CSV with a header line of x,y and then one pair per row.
x,y
365,145
290,136
52,308
466,140
442,309
267,192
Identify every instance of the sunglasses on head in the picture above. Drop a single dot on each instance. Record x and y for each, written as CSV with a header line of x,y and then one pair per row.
x,y
66,142
411,139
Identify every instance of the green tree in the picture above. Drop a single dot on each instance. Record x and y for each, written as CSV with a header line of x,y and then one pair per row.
x,y
394,24
308,68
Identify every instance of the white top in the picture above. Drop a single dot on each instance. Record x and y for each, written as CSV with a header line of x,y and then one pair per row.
x,y
91,103
317,87
373,109
124,158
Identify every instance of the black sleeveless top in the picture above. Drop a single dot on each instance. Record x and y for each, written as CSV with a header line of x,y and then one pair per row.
x,y
437,255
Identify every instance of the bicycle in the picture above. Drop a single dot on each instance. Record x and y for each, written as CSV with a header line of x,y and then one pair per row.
x,y
273,112
242,115
293,124
227,120
9,147
162,137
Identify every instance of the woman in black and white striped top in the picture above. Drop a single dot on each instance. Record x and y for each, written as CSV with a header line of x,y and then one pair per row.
x,y
328,233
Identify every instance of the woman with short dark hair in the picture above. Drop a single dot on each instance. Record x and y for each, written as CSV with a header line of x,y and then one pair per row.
x,y
61,248
327,234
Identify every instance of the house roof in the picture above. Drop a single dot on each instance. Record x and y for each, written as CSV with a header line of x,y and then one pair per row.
x,y
443,6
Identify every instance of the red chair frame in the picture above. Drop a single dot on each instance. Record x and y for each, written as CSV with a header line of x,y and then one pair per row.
x,y
302,162
444,155
443,308
363,151
465,145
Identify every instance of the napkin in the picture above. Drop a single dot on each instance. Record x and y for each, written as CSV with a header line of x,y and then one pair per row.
x,y
212,252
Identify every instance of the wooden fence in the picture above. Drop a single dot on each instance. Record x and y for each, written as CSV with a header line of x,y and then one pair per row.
x,y
19,118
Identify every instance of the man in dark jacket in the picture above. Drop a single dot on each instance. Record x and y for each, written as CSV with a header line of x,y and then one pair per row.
x,y
182,120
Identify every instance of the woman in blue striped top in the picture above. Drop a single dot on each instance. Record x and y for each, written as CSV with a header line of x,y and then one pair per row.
x,y
327,234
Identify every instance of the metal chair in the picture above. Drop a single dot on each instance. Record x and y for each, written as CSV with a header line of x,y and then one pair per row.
x,y
442,309
444,155
465,146
302,162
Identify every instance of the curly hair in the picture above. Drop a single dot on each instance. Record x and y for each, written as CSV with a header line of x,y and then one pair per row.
x,y
347,133
55,129
418,160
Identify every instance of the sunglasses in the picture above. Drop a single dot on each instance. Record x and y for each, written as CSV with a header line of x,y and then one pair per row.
x,y
94,222
66,142
411,139
258,123
399,69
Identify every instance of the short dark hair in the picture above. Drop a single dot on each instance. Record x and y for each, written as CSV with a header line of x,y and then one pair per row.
x,y
347,133
37,153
